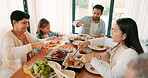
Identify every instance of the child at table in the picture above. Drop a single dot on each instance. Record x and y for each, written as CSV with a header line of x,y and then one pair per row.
x,y
43,31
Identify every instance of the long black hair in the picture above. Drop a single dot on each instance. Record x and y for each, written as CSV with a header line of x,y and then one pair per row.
x,y
42,24
129,26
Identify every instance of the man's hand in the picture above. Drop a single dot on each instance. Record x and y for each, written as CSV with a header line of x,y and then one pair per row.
x,y
85,25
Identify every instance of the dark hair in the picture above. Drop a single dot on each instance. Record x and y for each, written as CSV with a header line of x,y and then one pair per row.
x,y
42,24
139,65
99,7
18,15
129,26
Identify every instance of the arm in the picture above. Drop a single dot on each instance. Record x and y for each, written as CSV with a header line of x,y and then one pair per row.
x,y
103,41
11,52
117,71
13,49
82,22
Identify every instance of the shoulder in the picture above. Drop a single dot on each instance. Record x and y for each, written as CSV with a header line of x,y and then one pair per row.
x,y
8,34
130,51
101,21
128,54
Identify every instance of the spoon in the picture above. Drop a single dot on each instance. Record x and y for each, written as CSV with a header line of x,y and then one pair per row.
x,y
59,73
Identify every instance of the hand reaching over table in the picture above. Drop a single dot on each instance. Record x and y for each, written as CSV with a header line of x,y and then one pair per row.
x,y
86,58
83,44
38,45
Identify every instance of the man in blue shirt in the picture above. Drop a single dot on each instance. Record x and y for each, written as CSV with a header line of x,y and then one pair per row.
x,y
92,25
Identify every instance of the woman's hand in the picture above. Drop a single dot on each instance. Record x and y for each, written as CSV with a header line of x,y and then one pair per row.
x,y
83,44
39,45
86,58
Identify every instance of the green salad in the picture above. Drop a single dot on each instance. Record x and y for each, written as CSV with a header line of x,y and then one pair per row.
x,y
41,69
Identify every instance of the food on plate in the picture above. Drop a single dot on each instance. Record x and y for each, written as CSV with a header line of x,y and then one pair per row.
x,y
97,46
41,69
92,68
83,35
74,62
90,38
78,38
53,43
82,50
59,54
76,42
71,48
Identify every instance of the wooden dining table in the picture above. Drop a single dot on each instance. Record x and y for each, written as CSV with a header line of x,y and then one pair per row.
x,y
82,74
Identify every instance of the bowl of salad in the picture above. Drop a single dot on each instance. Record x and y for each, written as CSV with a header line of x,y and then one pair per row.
x,y
41,69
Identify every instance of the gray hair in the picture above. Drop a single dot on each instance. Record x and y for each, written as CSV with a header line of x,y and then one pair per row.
x,y
140,65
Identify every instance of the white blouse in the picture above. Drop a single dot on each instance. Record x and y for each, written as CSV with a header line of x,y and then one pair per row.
x,y
105,69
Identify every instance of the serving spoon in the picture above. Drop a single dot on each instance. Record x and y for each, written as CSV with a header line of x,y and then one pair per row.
x,y
59,73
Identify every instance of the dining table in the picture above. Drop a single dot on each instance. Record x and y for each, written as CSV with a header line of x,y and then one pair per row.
x,y
44,52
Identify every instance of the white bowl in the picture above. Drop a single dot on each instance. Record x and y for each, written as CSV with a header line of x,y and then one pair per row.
x,y
69,73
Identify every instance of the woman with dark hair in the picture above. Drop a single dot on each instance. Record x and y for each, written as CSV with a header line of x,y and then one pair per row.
x,y
125,46
18,44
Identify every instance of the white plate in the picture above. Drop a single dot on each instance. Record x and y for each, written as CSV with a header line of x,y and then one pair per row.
x,y
88,66
69,73
95,48
76,42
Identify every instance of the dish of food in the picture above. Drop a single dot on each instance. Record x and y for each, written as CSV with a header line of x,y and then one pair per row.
x,y
41,69
58,54
82,35
97,47
53,43
70,48
77,38
89,68
89,38
76,42
73,63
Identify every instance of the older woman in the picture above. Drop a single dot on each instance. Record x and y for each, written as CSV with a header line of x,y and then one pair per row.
x,y
18,44
125,45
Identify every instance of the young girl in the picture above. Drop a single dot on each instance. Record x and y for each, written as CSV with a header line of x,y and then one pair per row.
x,y
43,30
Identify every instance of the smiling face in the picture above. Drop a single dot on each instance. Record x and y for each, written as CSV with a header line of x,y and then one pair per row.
x,y
46,29
96,14
117,35
21,25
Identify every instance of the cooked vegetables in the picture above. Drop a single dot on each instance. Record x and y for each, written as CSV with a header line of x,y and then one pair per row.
x,y
41,69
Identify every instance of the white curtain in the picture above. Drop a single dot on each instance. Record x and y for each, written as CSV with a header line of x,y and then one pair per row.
x,y
138,9
57,12
7,6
